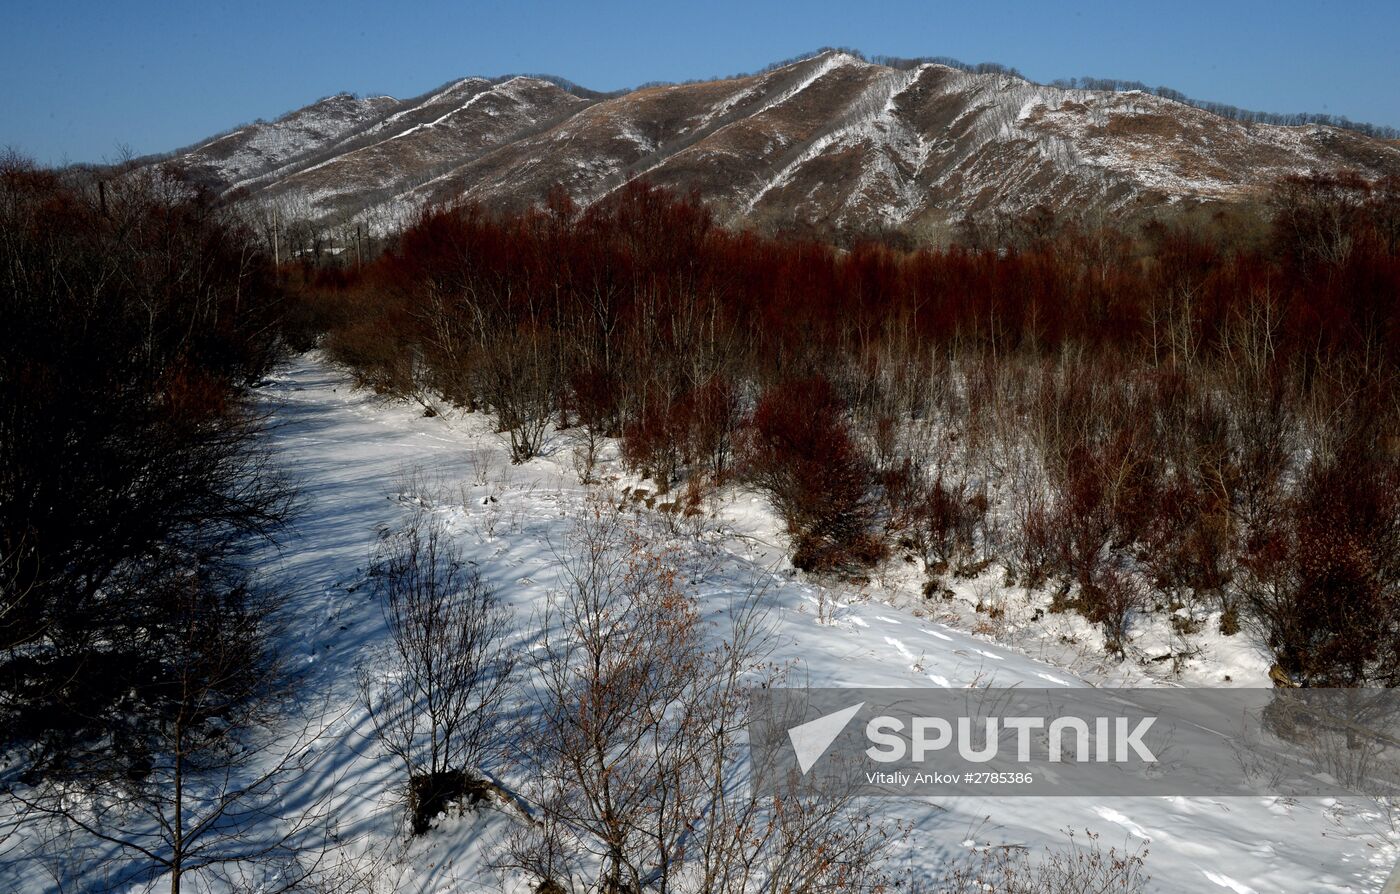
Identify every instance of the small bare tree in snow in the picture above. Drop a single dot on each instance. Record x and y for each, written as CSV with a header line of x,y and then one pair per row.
x,y
222,798
635,745
434,696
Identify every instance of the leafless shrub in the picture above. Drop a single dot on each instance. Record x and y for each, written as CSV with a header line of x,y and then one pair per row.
x,y
220,793
586,445
482,465
1079,868
633,749
799,453
517,376
947,520
434,696
1323,588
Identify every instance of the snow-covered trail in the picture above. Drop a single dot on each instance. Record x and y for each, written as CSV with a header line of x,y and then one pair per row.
x,y
349,450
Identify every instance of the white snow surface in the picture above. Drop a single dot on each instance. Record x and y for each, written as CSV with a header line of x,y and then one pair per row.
x,y
296,134
349,450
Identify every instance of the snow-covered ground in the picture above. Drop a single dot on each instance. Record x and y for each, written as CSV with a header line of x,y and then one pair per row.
x,y
351,451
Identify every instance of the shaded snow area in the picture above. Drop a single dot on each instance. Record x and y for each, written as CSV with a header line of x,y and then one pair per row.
x,y
350,451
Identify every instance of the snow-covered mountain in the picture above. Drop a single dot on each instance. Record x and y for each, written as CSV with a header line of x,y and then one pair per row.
x,y
830,141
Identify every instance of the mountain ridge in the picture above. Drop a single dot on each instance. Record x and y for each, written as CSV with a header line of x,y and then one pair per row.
x,y
831,142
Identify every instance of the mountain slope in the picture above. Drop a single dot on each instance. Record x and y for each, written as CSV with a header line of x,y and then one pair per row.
x,y
829,141
265,148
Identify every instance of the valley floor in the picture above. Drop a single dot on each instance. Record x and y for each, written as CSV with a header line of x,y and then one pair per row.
x,y
352,453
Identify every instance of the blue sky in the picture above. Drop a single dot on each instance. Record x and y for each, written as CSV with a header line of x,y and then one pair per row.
x,y
81,80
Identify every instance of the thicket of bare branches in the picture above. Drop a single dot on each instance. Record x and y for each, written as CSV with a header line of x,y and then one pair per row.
x,y
206,781
434,696
140,685
634,749
1121,414
136,310
798,451
1083,867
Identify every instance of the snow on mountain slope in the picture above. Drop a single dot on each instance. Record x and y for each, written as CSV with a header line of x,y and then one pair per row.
x,y
829,142
459,124
266,147
350,452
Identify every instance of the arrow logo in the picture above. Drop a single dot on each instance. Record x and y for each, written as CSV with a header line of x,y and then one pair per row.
x,y
810,740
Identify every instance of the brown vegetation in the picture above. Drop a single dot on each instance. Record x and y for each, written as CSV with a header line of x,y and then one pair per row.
x,y
1131,417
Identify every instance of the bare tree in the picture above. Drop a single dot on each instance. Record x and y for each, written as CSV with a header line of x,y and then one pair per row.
x,y
635,764
435,696
220,768
516,376
617,652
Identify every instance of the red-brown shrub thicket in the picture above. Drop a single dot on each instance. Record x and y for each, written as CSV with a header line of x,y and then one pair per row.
x,y
1325,585
799,452
1135,404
